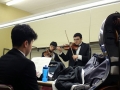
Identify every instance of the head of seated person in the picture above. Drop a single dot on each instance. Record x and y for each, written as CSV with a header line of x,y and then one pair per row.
x,y
22,38
15,68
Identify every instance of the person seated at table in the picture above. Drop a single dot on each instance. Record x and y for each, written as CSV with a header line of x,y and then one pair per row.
x,y
15,68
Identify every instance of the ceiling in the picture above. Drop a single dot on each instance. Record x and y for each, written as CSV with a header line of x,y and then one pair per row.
x,y
42,6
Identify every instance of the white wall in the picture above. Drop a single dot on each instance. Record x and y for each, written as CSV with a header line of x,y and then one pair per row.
x,y
53,29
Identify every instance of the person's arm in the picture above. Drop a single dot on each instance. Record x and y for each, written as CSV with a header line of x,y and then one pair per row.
x,y
29,77
62,55
65,57
57,58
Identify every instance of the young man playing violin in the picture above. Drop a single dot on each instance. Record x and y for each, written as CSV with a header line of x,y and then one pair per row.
x,y
79,56
50,52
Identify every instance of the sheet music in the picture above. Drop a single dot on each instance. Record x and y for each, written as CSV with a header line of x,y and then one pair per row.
x,y
40,62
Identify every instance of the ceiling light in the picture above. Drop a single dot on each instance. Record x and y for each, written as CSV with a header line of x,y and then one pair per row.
x,y
82,7
13,2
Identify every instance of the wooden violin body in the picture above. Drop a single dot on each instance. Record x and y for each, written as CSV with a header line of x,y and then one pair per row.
x,y
48,53
72,45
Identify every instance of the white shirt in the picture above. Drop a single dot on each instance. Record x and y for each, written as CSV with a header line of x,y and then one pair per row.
x,y
77,52
53,56
22,52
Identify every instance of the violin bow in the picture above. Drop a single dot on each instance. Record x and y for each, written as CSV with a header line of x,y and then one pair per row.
x,y
69,42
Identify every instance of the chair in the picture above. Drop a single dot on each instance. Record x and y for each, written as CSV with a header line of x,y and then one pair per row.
x,y
6,87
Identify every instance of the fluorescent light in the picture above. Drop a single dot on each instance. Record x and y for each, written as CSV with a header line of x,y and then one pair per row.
x,y
13,2
82,7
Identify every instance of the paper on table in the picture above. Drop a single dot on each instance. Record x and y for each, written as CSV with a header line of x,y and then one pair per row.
x,y
40,62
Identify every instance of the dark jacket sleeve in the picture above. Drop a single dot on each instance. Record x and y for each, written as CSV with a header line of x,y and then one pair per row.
x,y
87,56
29,77
57,58
65,57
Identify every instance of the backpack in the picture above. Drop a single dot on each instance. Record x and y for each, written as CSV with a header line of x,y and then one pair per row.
x,y
94,71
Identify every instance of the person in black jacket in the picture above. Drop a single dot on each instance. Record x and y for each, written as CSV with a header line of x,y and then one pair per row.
x,y
80,56
51,50
15,68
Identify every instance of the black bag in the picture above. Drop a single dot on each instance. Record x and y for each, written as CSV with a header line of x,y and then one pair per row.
x,y
95,70
59,67
68,77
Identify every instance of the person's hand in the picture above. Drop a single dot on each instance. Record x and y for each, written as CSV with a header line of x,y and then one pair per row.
x,y
59,49
75,57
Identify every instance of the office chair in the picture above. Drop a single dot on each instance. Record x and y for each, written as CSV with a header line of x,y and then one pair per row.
x,y
6,87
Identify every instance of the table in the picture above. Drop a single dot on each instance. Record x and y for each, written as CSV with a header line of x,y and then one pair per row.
x,y
45,85
48,83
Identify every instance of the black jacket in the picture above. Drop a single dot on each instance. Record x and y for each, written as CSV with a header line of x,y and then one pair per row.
x,y
68,77
18,71
85,51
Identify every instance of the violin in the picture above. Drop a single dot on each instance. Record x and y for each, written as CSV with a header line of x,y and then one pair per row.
x,y
48,53
72,45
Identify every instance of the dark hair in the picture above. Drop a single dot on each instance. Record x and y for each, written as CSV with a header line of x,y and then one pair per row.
x,y
21,33
78,35
53,43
